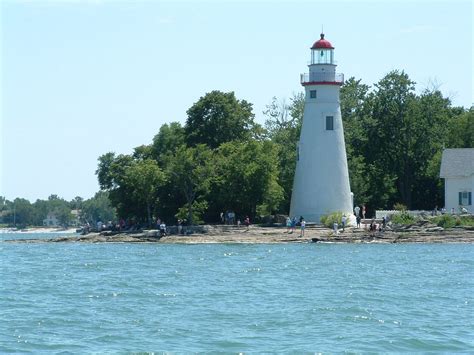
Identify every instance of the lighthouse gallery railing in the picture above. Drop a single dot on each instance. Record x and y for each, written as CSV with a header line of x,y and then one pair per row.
x,y
307,78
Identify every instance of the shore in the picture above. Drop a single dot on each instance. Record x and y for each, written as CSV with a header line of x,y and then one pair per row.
x,y
256,234
35,230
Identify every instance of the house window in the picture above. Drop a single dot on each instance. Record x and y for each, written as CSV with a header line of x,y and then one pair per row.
x,y
312,94
465,198
329,123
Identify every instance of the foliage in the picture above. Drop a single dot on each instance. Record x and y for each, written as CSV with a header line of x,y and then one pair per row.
x,y
191,169
197,210
461,130
246,178
402,218
132,183
217,118
221,160
399,207
143,179
450,221
283,127
329,219
445,221
21,212
169,138
98,208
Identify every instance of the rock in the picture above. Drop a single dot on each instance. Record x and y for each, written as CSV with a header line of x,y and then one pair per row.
x,y
152,233
435,229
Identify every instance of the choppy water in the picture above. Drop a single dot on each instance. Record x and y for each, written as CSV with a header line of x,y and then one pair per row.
x,y
236,298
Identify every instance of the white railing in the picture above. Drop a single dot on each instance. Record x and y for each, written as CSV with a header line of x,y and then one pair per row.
x,y
307,78
414,213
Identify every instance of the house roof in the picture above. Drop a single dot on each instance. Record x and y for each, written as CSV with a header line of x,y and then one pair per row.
x,y
457,162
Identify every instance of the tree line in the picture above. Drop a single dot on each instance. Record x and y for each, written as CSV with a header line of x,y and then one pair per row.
x,y
222,160
21,212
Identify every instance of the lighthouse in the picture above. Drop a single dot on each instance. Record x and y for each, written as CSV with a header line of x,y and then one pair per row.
x,y
321,183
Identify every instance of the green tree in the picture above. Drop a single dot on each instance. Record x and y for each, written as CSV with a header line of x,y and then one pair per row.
x,y
283,125
247,178
191,170
169,138
461,130
144,178
132,184
98,208
22,213
76,203
355,111
217,118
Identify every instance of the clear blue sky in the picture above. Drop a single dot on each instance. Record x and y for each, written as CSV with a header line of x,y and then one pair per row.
x,y
82,78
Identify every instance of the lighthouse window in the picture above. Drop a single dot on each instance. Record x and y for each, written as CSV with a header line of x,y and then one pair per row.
x,y
329,123
312,94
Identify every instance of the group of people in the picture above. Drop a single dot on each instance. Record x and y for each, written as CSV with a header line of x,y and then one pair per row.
x,y
291,225
229,218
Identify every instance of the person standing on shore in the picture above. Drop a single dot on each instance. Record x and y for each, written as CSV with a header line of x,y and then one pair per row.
x,y
288,224
356,211
363,211
247,222
344,220
303,226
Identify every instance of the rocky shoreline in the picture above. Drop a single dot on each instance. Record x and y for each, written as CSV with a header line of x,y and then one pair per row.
x,y
231,234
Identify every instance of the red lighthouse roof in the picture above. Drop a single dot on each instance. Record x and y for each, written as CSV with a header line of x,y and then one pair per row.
x,y
322,43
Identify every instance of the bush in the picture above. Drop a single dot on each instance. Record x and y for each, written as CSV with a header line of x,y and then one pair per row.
x,y
445,221
328,220
402,218
399,207
450,221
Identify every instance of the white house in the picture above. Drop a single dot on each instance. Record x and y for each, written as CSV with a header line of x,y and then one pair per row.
x,y
51,220
457,170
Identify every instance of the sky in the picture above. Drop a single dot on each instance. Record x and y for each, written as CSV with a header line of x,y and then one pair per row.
x,y
83,78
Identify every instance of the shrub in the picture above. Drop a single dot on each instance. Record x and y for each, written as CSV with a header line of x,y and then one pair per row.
x,y
450,221
328,220
402,218
445,221
467,220
399,207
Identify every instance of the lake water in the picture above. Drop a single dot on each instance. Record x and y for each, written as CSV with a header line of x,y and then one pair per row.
x,y
236,297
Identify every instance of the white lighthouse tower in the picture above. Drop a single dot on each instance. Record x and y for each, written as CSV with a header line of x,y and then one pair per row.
x,y
321,183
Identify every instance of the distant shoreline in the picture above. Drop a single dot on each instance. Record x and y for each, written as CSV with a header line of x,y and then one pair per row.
x,y
257,235
37,230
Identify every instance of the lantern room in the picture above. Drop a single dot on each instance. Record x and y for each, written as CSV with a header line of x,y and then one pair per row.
x,y
322,52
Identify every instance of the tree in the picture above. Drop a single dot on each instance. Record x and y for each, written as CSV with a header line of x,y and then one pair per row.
x,y
246,179
132,184
22,212
461,130
283,127
144,178
355,111
98,208
218,118
76,203
191,170
169,138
